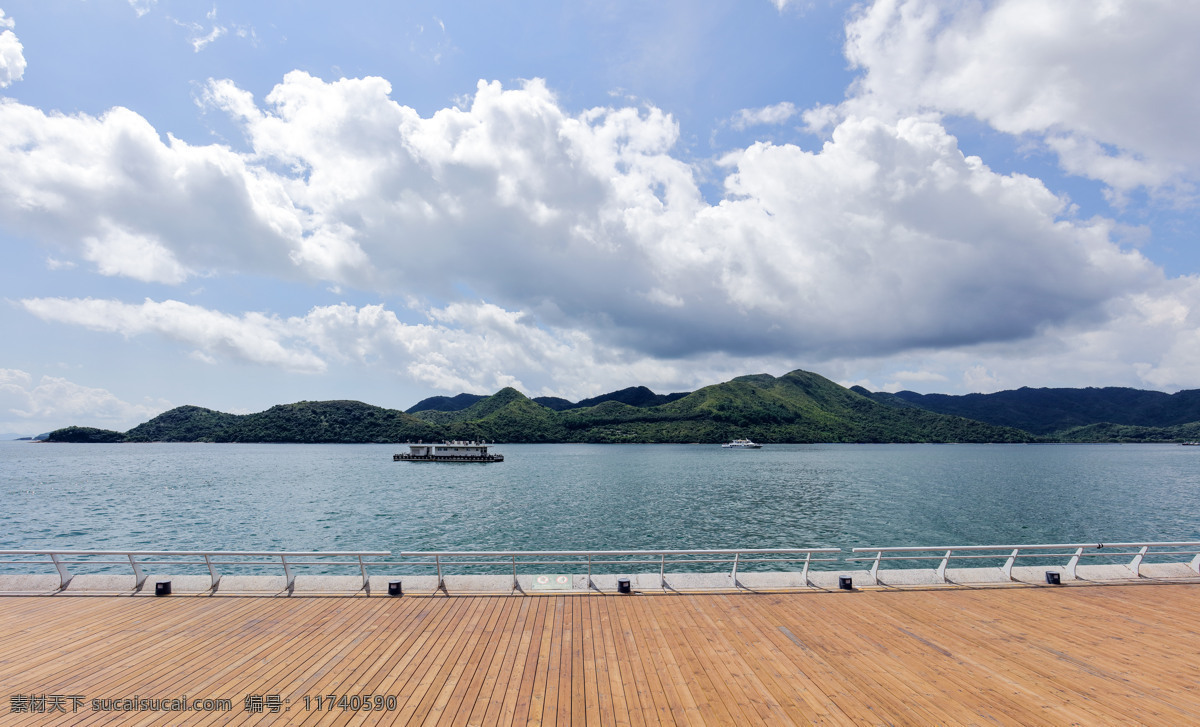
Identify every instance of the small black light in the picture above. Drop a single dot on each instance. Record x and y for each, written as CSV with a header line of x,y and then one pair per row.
x,y
846,583
1053,578
622,585
162,588
395,589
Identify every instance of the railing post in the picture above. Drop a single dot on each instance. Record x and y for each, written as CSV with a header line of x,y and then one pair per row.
x,y
138,576
807,559
941,570
287,572
514,565
735,565
589,581
1008,564
662,570
63,576
1135,565
875,566
437,560
212,572
363,567
1074,561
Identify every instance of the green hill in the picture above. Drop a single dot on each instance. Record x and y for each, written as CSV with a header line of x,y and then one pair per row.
x,y
1070,413
797,407
311,422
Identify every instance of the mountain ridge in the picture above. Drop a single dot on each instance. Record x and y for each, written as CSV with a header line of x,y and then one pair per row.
x,y
799,406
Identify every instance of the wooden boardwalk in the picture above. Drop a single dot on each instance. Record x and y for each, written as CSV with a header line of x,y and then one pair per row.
x,y
1086,655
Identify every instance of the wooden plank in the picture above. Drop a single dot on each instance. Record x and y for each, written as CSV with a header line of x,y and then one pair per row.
x,y
499,665
545,670
518,698
599,655
651,695
457,688
1079,654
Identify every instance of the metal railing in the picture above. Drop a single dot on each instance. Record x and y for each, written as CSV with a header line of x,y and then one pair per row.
x,y
1074,552
136,559
736,558
630,561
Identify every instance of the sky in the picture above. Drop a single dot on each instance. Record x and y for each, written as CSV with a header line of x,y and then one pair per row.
x,y
237,205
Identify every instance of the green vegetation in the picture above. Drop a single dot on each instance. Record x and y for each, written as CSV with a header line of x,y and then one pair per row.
x,y
797,407
1111,414
87,435
306,422
1126,433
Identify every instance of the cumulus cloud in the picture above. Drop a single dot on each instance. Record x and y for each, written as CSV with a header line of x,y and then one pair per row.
x,y
767,115
141,7
1106,85
885,239
12,53
54,402
1149,338
252,337
108,186
460,347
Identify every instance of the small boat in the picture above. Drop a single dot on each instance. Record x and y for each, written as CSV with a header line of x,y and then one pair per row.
x,y
742,444
448,452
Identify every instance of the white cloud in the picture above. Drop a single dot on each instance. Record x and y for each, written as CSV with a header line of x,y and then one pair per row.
x,y
1146,339
461,347
581,236
141,7
54,402
1107,85
12,53
100,186
136,256
767,115
199,42
886,239
252,337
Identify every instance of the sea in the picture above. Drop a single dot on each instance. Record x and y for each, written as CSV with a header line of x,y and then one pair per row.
x,y
271,497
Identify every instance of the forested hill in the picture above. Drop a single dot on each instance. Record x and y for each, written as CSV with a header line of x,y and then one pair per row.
x,y
796,407
1072,414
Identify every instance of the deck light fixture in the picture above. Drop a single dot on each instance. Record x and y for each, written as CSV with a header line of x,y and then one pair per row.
x,y
622,585
395,588
162,588
1053,578
846,583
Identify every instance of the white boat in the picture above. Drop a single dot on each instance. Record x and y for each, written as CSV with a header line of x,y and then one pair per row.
x,y
448,452
742,444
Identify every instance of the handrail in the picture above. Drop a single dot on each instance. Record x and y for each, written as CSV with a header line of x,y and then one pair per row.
x,y
1077,552
589,558
211,559
736,558
136,560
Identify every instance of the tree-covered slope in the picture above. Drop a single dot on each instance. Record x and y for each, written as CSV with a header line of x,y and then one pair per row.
x,y
797,407
185,424
1048,411
302,422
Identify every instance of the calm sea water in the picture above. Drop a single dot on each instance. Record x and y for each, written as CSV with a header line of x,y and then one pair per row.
x,y
567,497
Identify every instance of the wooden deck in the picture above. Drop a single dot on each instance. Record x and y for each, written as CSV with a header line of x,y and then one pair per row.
x,y
1084,655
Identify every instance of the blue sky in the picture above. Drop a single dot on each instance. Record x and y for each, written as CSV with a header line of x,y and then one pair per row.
x,y
236,205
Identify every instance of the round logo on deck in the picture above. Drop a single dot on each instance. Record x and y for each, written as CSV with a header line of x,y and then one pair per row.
x,y
562,580
542,580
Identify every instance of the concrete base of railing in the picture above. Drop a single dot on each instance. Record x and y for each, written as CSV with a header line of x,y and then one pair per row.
x,y
315,585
